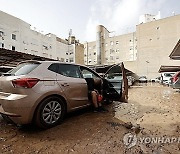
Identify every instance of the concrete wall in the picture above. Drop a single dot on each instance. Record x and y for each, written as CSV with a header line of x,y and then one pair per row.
x,y
156,40
79,56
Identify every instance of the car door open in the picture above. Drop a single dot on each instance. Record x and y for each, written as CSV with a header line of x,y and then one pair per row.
x,y
115,84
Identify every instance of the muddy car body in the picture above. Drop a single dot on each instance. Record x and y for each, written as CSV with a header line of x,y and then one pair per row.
x,y
43,91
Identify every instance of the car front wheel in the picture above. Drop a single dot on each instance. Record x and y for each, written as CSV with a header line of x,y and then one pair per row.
x,y
50,112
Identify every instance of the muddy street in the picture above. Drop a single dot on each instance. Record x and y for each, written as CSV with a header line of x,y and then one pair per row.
x,y
153,111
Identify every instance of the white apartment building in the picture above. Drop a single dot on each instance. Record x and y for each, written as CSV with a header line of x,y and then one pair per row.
x,y
15,34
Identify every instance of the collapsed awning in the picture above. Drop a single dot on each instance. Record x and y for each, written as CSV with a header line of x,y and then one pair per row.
x,y
175,54
12,58
169,69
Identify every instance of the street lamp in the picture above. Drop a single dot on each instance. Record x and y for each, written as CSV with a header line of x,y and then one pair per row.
x,y
147,62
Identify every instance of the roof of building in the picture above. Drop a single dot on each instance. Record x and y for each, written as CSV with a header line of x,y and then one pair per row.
x,y
175,54
169,69
12,58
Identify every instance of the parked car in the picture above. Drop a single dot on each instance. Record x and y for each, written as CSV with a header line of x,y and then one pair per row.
x,y
176,81
43,91
157,79
131,80
166,77
142,79
4,69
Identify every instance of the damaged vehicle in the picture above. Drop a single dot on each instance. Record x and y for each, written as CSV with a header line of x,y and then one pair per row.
x,y
44,91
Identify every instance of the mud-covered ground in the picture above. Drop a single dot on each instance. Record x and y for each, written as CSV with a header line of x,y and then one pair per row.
x,y
153,110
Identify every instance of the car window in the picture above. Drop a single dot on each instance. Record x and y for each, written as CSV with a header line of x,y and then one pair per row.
x,y
168,75
69,70
53,68
23,69
114,73
87,73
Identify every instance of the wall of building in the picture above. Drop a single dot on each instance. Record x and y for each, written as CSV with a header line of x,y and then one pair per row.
x,y
114,49
79,56
15,34
90,53
120,48
155,41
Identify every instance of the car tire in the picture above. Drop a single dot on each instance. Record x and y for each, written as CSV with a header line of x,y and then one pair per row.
x,y
50,112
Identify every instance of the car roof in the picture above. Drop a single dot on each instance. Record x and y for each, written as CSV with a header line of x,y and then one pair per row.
x,y
55,61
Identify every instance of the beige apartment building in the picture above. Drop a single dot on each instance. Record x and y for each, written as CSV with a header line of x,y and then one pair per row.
x,y
110,50
142,51
17,35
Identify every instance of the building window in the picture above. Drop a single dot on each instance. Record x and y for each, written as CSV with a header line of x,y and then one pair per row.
x,y
117,42
62,59
111,43
1,33
71,60
1,45
130,40
66,53
13,36
111,51
94,53
13,48
67,60
117,50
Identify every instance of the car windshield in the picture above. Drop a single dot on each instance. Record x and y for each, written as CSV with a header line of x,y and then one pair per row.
x,y
22,69
168,75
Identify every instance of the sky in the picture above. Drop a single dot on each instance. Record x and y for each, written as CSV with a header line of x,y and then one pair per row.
x,y
82,16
